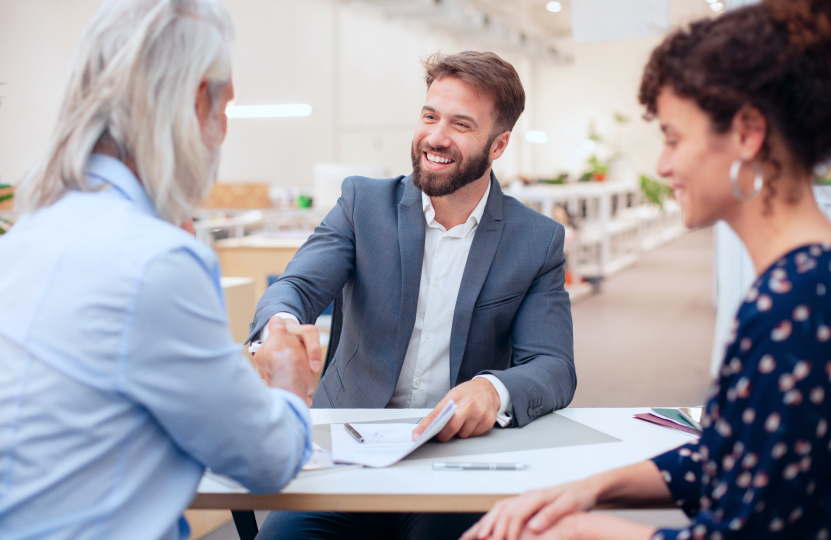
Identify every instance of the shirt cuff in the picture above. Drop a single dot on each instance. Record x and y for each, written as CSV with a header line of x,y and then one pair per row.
x,y
301,410
503,418
256,344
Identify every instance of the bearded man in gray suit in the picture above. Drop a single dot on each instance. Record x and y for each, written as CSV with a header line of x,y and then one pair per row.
x,y
451,289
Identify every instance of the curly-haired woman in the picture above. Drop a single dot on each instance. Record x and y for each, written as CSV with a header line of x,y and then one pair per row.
x,y
744,102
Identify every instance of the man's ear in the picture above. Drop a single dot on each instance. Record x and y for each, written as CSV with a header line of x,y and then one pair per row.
x,y
203,102
499,144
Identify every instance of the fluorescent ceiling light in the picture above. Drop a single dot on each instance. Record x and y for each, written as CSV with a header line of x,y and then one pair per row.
x,y
267,111
554,7
538,137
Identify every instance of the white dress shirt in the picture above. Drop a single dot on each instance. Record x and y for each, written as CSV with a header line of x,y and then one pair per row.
x,y
425,375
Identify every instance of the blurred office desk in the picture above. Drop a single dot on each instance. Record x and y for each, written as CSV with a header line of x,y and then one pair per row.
x,y
258,257
413,486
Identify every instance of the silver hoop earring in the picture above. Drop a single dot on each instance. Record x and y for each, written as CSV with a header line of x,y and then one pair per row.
x,y
735,168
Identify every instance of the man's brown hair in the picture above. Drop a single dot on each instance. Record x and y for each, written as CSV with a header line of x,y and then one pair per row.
x,y
488,74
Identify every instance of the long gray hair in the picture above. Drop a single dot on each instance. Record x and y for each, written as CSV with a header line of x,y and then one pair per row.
x,y
133,83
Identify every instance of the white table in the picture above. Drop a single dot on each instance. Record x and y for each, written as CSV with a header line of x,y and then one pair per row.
x,y
413,486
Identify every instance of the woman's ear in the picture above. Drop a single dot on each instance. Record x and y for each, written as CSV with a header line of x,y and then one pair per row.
x,y
750,130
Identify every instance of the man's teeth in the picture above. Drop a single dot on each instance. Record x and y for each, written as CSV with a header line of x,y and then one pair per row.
x,y
438,159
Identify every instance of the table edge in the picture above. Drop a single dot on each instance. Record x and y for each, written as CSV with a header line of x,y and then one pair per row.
x,y
359,502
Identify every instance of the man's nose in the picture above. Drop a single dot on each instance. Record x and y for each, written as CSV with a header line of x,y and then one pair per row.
x,y
438,137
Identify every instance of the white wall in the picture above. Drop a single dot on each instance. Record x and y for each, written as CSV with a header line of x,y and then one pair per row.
x,y
37,39
359,72
603,79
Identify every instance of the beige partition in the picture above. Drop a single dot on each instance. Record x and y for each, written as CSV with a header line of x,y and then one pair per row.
x,y
240,301
249,195
257,258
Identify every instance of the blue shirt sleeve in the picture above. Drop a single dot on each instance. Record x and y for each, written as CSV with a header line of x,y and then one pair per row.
x,y
181,364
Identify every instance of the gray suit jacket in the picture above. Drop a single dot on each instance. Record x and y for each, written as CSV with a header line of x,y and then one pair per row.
x,y
512,317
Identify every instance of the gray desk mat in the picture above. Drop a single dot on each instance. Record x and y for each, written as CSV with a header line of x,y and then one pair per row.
x,y
550,431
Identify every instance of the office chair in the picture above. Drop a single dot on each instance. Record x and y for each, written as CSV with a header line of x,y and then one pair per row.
x,y
244,520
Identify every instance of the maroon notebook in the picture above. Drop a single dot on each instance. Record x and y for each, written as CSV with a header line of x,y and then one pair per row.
x,y
652,419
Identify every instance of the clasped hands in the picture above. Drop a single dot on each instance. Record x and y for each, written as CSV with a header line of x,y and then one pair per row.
x,y
533,514
290,357
558,513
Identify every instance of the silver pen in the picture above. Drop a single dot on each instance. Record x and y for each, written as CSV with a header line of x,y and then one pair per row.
x,y
354,432
479,466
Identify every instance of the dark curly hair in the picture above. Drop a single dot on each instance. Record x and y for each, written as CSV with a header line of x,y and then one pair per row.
x,y
774,56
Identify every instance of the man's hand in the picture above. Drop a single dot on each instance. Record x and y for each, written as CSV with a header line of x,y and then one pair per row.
x,y
477,403
533,511
309,335
284,360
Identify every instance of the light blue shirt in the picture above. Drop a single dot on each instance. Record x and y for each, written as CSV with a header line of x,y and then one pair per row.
x,y
119,379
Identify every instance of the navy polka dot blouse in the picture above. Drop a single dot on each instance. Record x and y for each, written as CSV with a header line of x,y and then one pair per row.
x,y
761,468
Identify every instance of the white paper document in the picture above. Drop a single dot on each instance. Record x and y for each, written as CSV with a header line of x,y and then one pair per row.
x,y
384,444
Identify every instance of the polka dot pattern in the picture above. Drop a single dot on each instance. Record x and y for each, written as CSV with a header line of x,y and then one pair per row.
x,y
762,468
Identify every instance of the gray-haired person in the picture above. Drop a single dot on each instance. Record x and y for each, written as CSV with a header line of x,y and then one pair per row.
x,y
119,380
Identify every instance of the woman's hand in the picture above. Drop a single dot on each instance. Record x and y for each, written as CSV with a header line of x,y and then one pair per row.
x,y
535,510
585,526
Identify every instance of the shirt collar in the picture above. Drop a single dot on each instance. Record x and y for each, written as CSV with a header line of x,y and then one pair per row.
x,y
103,169
472,221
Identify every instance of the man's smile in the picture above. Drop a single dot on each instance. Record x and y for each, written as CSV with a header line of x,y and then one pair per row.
x,y
436,162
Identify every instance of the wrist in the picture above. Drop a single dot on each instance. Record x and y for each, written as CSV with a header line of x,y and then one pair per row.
x,y
495,400
595,489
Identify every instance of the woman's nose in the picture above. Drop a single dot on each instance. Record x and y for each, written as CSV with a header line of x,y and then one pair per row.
x,y
664,168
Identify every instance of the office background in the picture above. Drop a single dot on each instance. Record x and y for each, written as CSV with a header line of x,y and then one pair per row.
x,y
643,335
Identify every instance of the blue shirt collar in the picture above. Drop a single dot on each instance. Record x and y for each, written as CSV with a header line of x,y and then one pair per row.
x,y
103,169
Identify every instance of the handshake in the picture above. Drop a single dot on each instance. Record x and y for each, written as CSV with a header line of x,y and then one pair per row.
x,y
290,358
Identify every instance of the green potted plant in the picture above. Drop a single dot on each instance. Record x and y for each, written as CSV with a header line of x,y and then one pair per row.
x,y
655,192
6,194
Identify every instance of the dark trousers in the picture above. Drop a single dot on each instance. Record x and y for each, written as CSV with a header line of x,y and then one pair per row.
x,y
364,526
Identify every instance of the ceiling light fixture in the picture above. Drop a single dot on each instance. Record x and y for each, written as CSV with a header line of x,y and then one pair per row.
x,y
554,7
267,111
536,137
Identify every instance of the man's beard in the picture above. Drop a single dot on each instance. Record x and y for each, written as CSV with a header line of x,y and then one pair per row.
x,y
435,184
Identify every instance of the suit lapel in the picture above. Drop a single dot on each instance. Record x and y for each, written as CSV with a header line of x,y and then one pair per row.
x,y
479,260
411,243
